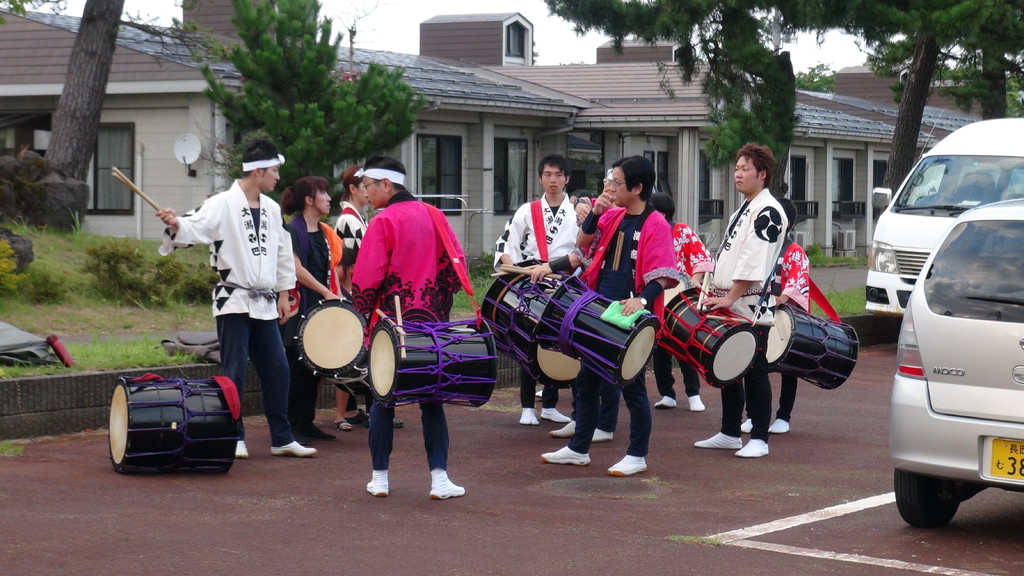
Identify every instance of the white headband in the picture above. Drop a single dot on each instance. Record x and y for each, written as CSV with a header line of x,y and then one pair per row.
x,y
381,173
268,163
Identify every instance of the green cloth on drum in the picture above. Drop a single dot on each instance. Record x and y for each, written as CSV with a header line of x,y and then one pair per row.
x,y
614,315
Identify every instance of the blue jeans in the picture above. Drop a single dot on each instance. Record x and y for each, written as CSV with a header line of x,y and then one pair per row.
x,y
243,338
590,388
435,435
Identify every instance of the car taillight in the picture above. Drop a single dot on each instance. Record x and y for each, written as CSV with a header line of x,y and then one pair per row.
x,y
908,356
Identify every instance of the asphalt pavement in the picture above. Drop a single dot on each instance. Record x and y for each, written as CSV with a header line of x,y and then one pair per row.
x,y
820,503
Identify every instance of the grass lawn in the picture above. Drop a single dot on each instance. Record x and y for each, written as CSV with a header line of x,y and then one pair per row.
x,y
102,334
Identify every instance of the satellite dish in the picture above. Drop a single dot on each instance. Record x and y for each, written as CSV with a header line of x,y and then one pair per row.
x,y
187,148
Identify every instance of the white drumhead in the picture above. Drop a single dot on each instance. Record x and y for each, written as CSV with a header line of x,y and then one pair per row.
x,y
118,427
733,355
332,337
779,335
556,365
382,362
638,352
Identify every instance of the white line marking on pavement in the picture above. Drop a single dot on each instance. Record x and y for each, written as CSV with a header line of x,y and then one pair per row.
x,y
741,538
815,516
855,558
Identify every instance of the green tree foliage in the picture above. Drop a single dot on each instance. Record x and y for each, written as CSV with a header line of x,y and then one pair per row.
x,y
293,92
725,45
820,78
908,36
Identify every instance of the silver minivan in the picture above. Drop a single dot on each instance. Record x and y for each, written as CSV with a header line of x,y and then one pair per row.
x,y
956,424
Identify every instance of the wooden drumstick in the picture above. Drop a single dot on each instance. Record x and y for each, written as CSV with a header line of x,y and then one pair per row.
x,y
703,291
510,269
401,331
131,185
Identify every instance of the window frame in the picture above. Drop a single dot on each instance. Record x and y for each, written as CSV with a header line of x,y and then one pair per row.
x,y
103,183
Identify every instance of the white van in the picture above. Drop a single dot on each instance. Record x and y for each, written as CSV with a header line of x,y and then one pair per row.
x,y
978,164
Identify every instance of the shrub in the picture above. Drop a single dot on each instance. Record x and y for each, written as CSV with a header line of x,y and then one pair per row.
x,y
44,286
122,270
9,280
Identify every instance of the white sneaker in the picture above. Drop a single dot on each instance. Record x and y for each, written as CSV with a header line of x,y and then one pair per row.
x,y
240,451
445,490
720,441
566,456
293,449
554,415
628,466
601,436
378,485
665,403
565,431
754,449
747,426
529,417
779,427
696,405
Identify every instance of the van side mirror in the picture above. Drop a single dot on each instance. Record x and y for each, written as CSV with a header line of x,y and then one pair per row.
x,y
880,197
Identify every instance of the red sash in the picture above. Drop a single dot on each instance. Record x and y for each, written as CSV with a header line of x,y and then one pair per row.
x,y
539,230
591,273
819,298
458,264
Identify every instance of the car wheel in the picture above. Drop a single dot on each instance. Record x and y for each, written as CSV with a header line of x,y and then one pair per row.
x,y
922,501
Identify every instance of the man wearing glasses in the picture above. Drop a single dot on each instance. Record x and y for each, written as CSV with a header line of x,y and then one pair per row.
x,y
403,255
629,247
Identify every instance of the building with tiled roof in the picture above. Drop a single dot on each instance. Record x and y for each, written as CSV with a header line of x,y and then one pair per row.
x,y
476,144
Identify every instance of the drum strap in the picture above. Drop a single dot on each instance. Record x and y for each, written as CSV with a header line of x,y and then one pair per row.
x,y
818,297
230,395
459,265
565,330
539,230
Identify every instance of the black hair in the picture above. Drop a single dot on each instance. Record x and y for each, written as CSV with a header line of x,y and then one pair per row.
x,y
663,203
637,170
789,208
259,149
386,163
556,160
293,199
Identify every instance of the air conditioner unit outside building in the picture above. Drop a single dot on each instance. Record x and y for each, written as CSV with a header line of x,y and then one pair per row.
x,y
801,239
845,241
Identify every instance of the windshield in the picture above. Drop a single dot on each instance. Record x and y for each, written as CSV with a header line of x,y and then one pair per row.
x,y
978,272
957,183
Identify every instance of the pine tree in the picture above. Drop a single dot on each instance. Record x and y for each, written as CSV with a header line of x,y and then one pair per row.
x,y
293,92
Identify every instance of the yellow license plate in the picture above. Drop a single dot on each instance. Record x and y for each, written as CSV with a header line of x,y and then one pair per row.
x,y
1007,459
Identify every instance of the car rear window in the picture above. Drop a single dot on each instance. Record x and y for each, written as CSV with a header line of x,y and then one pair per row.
x,y
978,272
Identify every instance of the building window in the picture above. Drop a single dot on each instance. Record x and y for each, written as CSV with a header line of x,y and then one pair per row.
x,y
880,166
842,179
114,145
703,177
440,170
510,174
586,161
798,178
515,40
661,169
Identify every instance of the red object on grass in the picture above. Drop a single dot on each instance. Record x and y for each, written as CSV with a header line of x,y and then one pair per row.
x,y
60,350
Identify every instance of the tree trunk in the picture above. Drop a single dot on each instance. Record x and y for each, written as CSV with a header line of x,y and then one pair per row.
x,y
77,119
908,119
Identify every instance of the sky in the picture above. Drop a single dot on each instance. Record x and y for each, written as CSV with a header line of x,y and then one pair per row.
x,y
393,25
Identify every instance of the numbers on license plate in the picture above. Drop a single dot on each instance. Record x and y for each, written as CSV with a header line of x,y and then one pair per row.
x,y
1007,459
